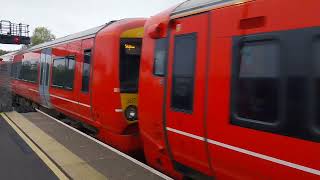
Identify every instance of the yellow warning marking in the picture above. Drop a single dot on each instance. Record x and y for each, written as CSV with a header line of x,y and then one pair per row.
x,y
133,33
70,163
41,155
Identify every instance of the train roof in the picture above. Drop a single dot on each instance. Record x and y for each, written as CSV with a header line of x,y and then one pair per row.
x,y
80,35
8,56
90,33
197,6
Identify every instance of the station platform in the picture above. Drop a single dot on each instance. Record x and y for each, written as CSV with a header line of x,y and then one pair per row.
x,y
46,148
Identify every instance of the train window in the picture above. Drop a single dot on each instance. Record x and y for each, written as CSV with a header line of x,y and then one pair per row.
x,y
70,64
160,57
24,71
14,70
18,67
58,72
257,83
17,71
316,82
47,73
86,70
63,72
183,72
275,91
130,51
29,70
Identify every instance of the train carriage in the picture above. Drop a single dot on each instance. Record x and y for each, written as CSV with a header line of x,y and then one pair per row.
x,y
228,89
91,76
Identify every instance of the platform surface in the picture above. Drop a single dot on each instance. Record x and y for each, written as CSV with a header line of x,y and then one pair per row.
x,y
78,156
17,159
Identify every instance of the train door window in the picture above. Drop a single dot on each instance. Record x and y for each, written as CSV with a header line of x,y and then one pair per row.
x,y
183,73
86,70
130,52
316,83
58,72
47,73
70,66
160,57
41,73
257,82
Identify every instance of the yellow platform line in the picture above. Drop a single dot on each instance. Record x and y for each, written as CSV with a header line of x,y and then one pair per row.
x,y
41,155
70,163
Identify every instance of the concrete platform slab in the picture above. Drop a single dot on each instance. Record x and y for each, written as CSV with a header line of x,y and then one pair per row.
x,y
80,156
17,159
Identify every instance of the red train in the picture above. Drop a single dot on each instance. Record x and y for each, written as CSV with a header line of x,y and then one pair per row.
x,y
227,89
91,76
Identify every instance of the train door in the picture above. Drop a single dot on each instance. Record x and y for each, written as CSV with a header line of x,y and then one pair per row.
x,y
185,95
85,79
45,62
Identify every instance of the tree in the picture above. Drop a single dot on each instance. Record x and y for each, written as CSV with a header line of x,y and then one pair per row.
x,y
41,35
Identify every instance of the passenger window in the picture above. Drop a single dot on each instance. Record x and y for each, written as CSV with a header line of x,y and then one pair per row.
x,y
257,90
14,70
86,70
183,73
316,96
276,83
160,57
19,73
58,70
30,70
71,63
63,72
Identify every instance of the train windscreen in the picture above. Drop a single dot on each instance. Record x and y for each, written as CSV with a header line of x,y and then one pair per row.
x,y
130,52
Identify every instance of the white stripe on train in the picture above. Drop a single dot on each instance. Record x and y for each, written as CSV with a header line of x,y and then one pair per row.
x,y
251,153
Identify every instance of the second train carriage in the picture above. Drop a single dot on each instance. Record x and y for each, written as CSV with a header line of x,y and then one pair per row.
x,y
229,90
91,76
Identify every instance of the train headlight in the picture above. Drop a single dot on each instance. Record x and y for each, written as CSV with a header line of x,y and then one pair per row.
x,y
131,113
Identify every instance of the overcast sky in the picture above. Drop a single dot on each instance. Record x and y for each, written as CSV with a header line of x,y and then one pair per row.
x,y
65,17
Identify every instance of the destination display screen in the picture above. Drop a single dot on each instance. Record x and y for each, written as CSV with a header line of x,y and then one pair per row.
x,y
132,48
